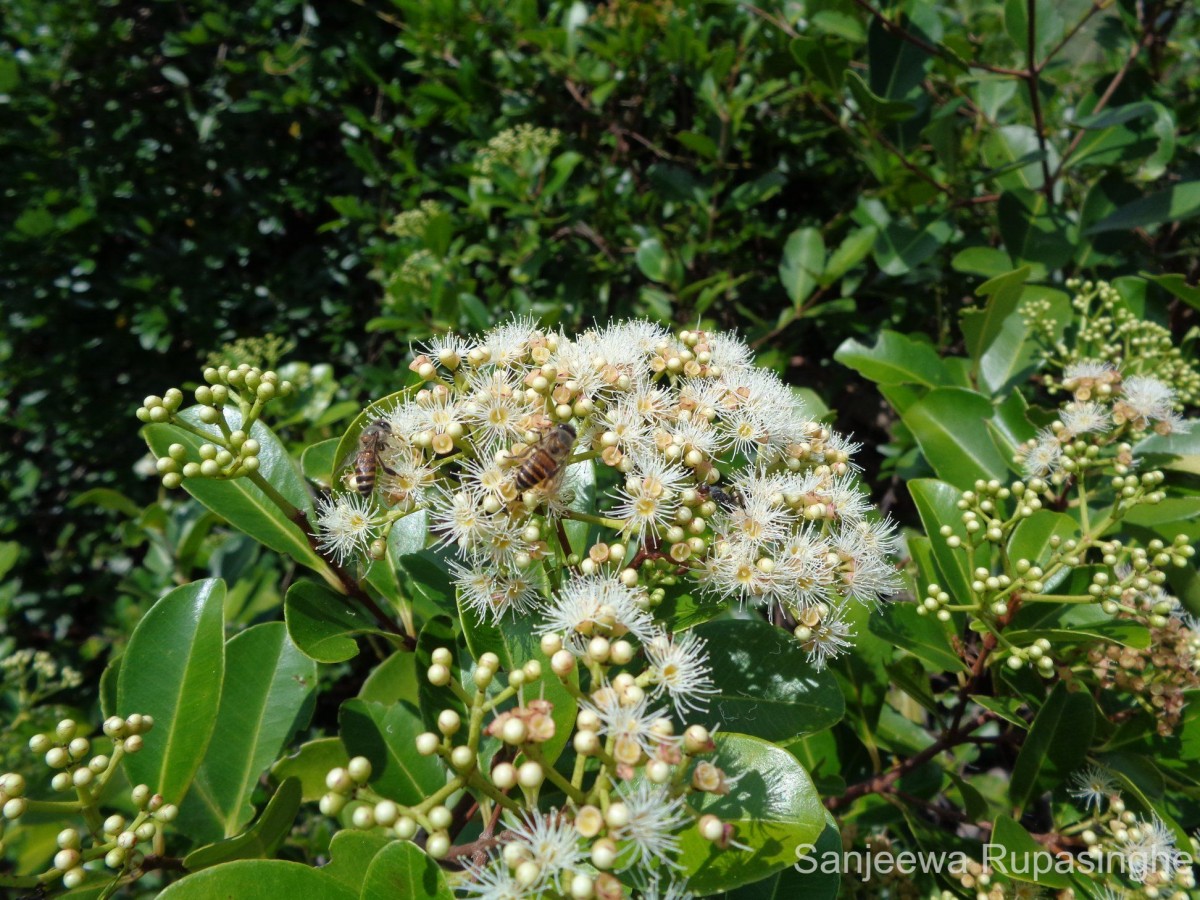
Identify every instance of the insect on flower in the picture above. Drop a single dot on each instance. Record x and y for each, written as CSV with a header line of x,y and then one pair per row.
x,y
540,468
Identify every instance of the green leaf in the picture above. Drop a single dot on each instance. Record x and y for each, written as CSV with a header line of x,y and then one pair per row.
x,y
896,67
1179,451
1007,708
172,670
900,248
1074,624
1178,286
268,696
853,249
258,879
773,808
922,636
238,501
310,764
981,327
821,883
351,853
385,736
654,260
1021,852
986,261
392,680
1014,155
323,623
1056,745
319,460
875,108
935,502
1180,201
895,359
802,264
1034,230
262,839
948,424
402,869
764,685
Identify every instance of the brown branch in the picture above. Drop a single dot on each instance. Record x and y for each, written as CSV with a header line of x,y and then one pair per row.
x,y
932,49
1035,98
884,781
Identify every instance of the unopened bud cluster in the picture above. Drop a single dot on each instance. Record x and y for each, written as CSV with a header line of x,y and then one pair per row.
x,y
623,807
225,411
115,839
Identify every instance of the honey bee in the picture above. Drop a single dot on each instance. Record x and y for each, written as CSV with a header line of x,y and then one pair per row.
x,y
367,462
541,467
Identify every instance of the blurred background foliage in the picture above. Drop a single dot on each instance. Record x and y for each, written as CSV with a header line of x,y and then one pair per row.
x,y
359,175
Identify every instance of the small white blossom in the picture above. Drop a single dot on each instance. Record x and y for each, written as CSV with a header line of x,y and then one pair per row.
x,y
650,495
344,526
1044,456
1093,786
1085,418
1152,851
1145,399
654,817
591,604
680,668
552,841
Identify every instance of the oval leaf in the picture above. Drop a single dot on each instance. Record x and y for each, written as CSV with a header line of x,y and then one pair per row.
x,y
267,698
765,687
401,869
259,879
173,671
1056,745
773,808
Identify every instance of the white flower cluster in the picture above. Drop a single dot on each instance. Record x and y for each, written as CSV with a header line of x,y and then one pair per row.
x,y
1103,402
716,472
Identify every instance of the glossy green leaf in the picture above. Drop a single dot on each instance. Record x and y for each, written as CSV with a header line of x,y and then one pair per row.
x,y
238,501
1034,229
922,636
654,260
935,502
765,687
808,879
1074,624
1179,451
402,869
1013,153
853,249
1180,201
1056,745
986,261
386,736
318,462
981,327
948,424
1178,286
773,807
268,696
259,879
1007,708
323,623
875,108
1020,850
173,670
262,839
895,359
802,264
900,248
351,853
392,680
310,764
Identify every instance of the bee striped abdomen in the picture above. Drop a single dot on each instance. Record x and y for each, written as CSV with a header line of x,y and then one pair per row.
x,y
545,459
366,463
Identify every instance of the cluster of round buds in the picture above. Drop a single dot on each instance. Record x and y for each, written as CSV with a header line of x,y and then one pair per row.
x,y
1143,850
1037,653
67,750
230,452
935,603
